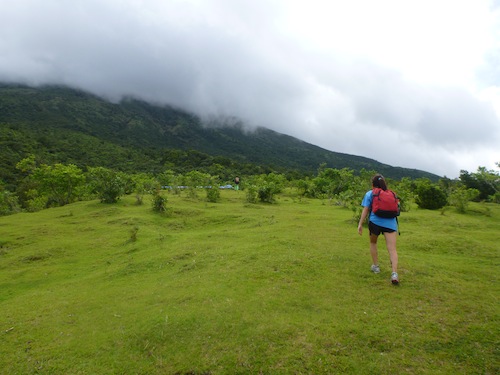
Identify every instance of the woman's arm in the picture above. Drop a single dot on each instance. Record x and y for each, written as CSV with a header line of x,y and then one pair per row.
x,y
364,214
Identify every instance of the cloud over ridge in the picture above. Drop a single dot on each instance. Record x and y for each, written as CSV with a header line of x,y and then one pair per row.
x,y
331,74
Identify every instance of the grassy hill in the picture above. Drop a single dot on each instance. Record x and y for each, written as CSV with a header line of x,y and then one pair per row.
x,y
232,288
60,124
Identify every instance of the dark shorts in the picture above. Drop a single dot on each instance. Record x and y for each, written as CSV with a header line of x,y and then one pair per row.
x,y
376,230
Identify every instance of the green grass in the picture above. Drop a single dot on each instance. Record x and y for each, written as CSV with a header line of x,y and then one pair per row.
x,y
235,288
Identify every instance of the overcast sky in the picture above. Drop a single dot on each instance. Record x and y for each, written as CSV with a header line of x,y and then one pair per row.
x,y
411,83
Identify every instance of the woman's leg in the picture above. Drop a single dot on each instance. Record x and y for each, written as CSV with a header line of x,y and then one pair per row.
x,y
390,240
373,248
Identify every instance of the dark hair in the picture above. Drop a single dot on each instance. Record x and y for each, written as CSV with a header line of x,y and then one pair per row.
x,y
379,181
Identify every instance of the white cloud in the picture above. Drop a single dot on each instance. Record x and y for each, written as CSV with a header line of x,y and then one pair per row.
x,y
333,73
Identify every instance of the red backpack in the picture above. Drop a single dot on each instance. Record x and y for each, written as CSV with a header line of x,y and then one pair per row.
x,y
385,203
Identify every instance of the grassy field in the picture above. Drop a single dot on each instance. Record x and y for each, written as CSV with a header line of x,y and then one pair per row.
x,y
237,288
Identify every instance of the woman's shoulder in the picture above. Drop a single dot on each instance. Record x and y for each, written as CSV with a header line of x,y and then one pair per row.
x,y
367,199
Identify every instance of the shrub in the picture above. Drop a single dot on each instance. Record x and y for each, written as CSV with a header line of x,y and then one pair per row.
x,y
430,197
461,197
9,203
107,184
34,201
265,187
495,198
133,233
405,194
303,187
251,193
159,202
143,184
213,194
269,186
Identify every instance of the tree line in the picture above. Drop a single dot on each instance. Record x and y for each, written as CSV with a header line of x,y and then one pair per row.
x,y
42,186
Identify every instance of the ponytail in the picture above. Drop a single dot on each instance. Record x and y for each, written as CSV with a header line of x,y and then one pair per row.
x,y
378,181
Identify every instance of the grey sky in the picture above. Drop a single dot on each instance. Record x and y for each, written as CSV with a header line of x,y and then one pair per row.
x,y
409,83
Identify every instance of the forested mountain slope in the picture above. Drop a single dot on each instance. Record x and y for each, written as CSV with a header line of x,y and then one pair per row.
x,y
61,124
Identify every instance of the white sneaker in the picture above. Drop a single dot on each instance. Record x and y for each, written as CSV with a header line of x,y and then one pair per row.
x,y
394,278
375,268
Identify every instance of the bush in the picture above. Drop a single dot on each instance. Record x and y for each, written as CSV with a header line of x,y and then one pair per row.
x,y
430,197
143,184
159,202
213,194
461,197
405,194
268,186
107,184
264,188
34,201
495,198
9,203
251,193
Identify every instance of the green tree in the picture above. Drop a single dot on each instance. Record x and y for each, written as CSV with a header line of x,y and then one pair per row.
x,y
49,185
430,196
338,180
487,182
265,187
62,184
496,196
352,197
159,202
33,201
9,202
461,196
404,190
303,186
27,165
447,185
213,191
218,171
167,178
194,180
143,184
109,185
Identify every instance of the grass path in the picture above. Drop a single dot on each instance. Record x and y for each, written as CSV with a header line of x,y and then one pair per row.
x,y
235,288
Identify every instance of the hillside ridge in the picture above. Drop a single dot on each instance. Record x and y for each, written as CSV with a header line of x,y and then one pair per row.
x,y
67,125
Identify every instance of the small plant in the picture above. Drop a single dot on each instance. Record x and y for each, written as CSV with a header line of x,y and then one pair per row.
x,y
133,233
213,194
159,202
139,199
251,193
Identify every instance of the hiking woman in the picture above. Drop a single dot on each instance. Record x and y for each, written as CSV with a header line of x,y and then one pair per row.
x,y
376,225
